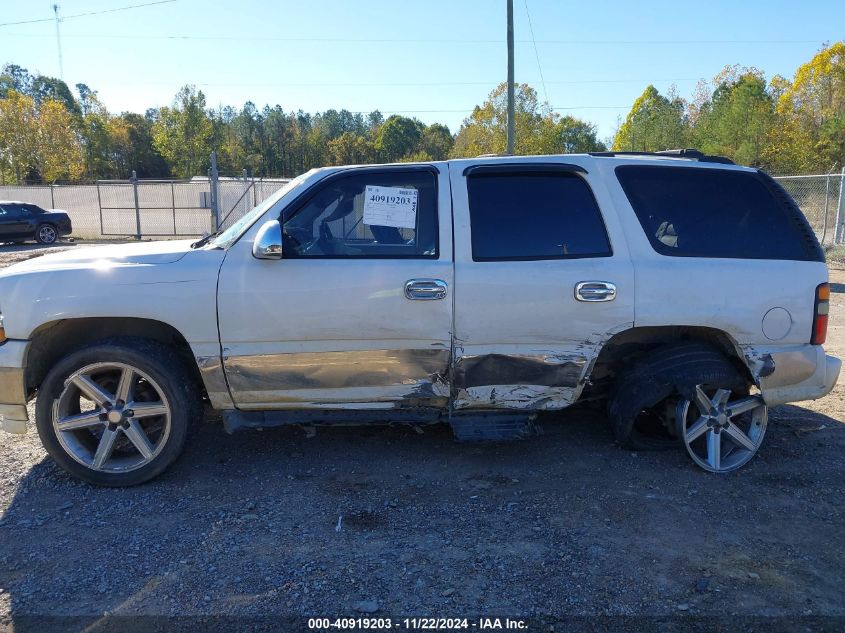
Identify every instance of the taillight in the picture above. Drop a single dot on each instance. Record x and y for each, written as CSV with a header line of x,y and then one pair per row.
x,y
822,307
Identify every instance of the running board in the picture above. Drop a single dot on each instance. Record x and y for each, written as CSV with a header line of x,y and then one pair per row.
x,y
235,420
494,427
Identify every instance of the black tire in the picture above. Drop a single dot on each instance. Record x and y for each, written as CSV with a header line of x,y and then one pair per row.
x,y
669,371
163,365
45,239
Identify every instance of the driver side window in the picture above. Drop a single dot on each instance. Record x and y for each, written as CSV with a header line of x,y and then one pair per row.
x,y
369,214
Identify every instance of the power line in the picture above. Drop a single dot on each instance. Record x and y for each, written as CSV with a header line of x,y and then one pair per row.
x,y
536,52
89,13
352,40
423,84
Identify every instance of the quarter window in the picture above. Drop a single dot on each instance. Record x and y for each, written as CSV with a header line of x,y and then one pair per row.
x,y
534,215
371,214
698,212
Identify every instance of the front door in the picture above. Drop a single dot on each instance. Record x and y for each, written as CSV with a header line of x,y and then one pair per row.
x,y
544,278
358,312
15,221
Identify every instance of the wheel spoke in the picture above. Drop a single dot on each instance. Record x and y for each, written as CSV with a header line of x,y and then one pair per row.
x,y
104,448
702,401
740,438
92,390
126,386
80,421
139,439
714,449
721,397
746,404
696,430
147,409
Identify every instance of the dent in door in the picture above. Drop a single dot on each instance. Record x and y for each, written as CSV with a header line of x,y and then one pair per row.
x,y
536,381
378,379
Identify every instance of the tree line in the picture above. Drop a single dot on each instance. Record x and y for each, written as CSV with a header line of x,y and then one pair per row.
x,y
780,125
49,133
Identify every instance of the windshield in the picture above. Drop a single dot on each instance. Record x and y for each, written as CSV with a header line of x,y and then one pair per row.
x,y
228,237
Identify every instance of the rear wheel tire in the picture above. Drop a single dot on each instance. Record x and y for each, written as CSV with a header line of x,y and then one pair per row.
x,y
46,234
117,413
644,404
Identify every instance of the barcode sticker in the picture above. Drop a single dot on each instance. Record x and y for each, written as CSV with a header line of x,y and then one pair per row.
x,y
390,206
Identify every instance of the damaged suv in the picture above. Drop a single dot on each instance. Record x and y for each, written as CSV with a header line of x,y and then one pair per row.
x,y
687,293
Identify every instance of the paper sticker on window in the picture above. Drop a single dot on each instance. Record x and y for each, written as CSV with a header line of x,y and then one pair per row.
x,y
390,206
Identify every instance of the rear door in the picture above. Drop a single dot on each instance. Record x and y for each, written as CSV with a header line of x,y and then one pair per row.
x,y
542,276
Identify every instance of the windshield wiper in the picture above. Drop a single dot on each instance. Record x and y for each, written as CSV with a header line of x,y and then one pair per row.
x,y
206,239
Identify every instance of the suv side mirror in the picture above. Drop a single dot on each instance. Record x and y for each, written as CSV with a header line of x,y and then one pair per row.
x,y
268,241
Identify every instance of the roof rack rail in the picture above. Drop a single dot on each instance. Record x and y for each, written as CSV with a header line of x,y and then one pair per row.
x,y
673,153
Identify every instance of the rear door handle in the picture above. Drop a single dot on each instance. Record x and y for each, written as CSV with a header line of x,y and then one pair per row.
x,y
425,289
594,291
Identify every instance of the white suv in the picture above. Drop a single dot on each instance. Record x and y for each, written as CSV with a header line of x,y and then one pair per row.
x,y
688,293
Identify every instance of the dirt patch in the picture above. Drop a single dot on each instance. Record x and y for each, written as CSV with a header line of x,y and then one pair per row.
x,y
278,524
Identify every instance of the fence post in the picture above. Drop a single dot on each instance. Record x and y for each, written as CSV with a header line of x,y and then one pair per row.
x,y
839,231
134,181
100,207
213,176
173,204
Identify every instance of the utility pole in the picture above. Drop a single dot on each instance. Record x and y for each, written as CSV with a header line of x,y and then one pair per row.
x,y
511,107
59,43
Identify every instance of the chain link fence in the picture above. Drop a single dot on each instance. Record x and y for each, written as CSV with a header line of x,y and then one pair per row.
x,y
172,208
148,208
822,200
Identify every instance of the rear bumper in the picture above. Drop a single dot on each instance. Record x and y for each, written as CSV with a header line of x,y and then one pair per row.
x,y
13,415
800,373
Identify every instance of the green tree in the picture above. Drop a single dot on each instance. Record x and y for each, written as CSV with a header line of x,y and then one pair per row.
x,y
131,147
93,124
351,149
654,123
397,138
18,135
737,119
183,133
570,135
436,142
812,112
44,88
485,130
58,154
37,142
14,77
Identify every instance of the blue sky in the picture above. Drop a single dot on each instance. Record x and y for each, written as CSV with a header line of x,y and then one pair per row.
x,y
434,59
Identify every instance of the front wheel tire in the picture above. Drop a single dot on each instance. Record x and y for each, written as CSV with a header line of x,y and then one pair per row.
x,y
117,413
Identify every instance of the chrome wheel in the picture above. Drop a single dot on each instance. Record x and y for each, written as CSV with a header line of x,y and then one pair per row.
x,y
111,417
721,434
47,234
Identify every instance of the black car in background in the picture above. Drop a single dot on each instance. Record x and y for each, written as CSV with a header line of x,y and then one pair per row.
x,y
21,221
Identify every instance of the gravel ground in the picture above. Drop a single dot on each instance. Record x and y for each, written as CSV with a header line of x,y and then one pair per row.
x,y
390,522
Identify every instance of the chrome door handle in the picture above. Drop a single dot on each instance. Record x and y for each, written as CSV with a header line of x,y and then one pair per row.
x,y
593,291
425,289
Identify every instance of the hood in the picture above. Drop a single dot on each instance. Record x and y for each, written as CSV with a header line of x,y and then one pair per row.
x,y
140,253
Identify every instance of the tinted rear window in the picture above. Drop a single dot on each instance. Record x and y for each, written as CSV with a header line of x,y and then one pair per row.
x,y
691,212
531,216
